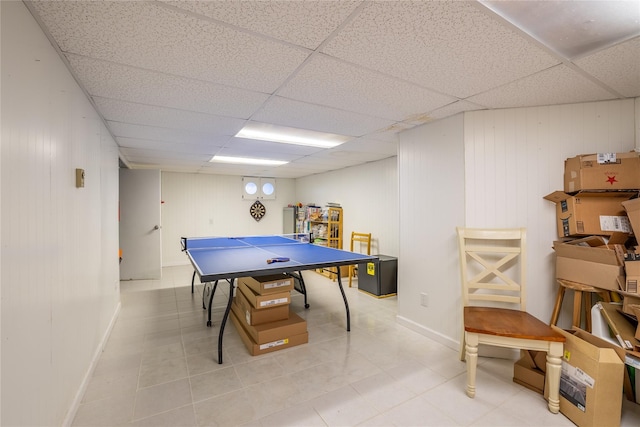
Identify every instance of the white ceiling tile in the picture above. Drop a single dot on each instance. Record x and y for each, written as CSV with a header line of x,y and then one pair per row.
x,y
452,47
562,86
368,145
170,147
164,134
128,112
287,112
148,35
134,153
176,80
618,67
305,23
453,109
326,81
110,80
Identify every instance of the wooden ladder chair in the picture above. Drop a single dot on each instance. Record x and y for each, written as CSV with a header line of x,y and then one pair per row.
x,y
493,271
361,239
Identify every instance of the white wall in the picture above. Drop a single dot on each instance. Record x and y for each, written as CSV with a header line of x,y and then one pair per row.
x,y
368,195
59,278
211,205
431,175
512,159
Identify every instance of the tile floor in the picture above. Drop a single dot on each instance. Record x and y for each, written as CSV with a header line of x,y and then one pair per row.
x,y
160,368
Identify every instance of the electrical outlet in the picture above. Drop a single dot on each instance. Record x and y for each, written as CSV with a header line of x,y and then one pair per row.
x,y
424,300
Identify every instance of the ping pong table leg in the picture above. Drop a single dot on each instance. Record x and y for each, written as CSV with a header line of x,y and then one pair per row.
x,y
303,288
213,292
344,297
224,320
193,278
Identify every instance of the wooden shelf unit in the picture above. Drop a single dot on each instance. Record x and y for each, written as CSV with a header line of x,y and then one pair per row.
x,y
325,225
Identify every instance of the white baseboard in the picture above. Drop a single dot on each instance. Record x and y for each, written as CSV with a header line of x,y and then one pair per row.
x,y
429,333
71,413
484,350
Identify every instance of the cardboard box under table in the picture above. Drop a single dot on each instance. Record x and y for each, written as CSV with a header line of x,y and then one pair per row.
x,y
593,264
602,171
586,214
263,285
591,380
269,337
257,316
263,301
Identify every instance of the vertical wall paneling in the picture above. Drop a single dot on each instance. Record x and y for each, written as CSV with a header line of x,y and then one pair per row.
x,y
431,177
368,195
59,243
512,159
211,205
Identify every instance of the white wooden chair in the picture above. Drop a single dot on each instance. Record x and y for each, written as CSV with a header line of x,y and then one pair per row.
x,y
493,267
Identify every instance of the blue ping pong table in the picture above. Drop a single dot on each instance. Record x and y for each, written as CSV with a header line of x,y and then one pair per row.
x,y
227,258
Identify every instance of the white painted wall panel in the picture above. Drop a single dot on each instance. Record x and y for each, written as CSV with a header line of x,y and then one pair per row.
x,y
512,159
59,258
431,177
368,195
211,205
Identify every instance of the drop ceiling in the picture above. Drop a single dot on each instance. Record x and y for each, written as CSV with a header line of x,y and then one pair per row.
x,y
174,81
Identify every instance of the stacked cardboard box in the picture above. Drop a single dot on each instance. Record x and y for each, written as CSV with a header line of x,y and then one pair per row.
x,y
597,221
595,217
262,314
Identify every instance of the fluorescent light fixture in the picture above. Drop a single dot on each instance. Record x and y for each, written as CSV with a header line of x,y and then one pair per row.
x,y
247,161
287,135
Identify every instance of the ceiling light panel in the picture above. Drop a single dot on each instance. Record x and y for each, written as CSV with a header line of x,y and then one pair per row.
x,y
573,28
246,161
288,135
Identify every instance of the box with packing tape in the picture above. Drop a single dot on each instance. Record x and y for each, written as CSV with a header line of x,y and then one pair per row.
x,y
591,213
602,171
591,261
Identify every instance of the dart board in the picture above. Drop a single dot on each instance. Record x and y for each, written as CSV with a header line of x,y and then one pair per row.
x,y
257,210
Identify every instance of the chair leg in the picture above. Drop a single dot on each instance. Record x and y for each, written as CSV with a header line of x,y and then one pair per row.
x,y
577,308
558,305
472,363
554,367
350,274
463,346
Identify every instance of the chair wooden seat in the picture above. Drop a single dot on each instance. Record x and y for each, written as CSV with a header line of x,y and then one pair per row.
x,y
493,272
508,323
